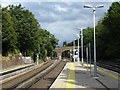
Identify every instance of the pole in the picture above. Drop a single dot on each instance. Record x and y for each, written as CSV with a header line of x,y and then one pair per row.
x,y
90,56
94,10
95,66
74,51
25,58
70,55
37,58
78,48
82,45
87,56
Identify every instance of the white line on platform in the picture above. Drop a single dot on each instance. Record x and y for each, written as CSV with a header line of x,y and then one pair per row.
x,y
57,78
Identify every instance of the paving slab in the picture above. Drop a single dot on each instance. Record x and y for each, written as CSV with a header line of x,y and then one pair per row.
x,y
77,77
107,78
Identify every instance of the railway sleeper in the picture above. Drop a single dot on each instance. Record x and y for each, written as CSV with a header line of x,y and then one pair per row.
x,y
22,81
37,77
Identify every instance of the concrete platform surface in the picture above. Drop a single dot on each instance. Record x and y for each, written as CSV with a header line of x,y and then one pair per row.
x,y
77,77
15,67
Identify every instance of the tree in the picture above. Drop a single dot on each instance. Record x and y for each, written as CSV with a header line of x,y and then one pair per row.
x,y
26,28
22,33
9,36
48,41
112,23
107,34
0,30
64,43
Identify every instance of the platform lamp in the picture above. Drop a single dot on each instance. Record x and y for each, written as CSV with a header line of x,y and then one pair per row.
x,y
78,47
81,36
94,11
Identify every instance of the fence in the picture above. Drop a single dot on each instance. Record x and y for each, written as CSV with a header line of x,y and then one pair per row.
x,y
15,60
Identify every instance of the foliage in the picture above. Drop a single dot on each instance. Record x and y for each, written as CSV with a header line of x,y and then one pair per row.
x,y
9,36
0,24
70,44
111,31
21,32
64,43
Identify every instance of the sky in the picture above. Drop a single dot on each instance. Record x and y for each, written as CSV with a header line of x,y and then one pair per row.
x,y
64,17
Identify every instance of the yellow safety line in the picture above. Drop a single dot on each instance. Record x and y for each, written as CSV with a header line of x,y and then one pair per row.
x,y
71,78
107,73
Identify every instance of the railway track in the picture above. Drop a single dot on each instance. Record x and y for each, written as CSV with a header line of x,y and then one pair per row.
x,y
44,76
15,81
49,78
28,79
16,71
110,65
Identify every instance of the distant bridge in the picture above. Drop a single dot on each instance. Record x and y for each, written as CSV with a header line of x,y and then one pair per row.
x,y
59,50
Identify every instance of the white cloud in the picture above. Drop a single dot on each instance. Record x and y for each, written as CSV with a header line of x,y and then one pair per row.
x,y
59,8
4,4
66,30
62,18
58,0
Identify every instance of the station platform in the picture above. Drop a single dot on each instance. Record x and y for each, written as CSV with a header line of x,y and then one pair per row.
x,y
15,67
14,70
76,77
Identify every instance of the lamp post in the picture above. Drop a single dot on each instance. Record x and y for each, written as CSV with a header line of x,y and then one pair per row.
x,y
94,11
82,45
90,56
74,50
81,35
87,56
78,47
